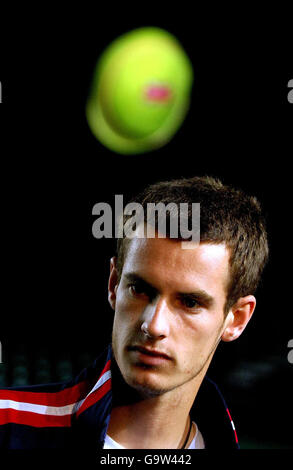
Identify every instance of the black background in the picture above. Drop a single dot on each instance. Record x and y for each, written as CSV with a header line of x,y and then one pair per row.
x,y
239,128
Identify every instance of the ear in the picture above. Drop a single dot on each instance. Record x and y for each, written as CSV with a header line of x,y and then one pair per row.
x,y
238,317
113,282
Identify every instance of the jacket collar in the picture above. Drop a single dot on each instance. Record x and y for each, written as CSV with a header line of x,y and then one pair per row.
x,y
209,410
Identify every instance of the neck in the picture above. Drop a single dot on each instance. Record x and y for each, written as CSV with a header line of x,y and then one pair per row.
x,y
160,422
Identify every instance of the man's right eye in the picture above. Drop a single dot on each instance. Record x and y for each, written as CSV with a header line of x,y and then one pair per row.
x,y
136,289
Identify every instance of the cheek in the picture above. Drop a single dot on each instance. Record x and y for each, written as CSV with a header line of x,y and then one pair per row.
x,y
126,315
198,334
121,324
199,325
128,309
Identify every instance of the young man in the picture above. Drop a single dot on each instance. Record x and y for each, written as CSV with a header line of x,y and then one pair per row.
x,y
173,306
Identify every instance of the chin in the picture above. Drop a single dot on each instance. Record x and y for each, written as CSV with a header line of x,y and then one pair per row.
x,y
148,390
145,385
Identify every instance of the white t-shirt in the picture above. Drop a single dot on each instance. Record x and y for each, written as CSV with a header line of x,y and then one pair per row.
x,y
196,443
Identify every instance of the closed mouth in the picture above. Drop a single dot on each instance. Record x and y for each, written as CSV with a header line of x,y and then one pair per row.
x,y
149,352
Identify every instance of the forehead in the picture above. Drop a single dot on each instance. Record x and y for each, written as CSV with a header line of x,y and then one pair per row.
x,y
164,262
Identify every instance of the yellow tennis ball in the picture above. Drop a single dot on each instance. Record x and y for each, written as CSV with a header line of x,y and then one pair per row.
x,y
140,92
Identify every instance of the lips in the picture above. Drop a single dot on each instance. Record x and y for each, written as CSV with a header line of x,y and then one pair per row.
x,y
150,352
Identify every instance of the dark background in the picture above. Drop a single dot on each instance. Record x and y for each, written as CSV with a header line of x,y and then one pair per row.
x,y
55,317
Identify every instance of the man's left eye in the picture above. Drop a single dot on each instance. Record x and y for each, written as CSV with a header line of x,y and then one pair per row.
x,y
189,302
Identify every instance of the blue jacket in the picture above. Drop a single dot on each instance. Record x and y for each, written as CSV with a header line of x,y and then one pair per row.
x,y
75,415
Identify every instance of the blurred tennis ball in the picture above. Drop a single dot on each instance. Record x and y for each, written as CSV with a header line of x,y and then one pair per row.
x,y
140,91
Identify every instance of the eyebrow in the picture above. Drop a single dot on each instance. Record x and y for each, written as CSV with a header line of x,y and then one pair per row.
x,y
199,294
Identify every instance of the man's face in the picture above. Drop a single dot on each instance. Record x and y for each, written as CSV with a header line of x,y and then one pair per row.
x,y
177,297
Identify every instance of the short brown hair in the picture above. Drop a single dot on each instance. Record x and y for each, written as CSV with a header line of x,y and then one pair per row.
x,y
227,215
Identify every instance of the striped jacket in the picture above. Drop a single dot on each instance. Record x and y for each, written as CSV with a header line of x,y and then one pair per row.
x,y
75,415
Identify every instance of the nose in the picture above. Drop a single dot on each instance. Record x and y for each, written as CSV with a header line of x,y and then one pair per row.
x,y
156,321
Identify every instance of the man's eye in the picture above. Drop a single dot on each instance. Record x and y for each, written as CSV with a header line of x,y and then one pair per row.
x,y
136,289
190,302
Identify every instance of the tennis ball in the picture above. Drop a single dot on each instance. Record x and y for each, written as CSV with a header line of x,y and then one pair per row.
x,y
140,91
